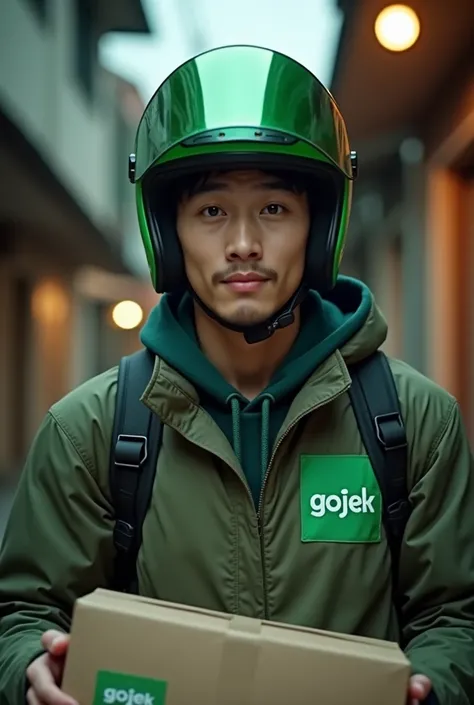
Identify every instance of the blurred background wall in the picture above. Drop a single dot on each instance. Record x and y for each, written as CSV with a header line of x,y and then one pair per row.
x,y
69,243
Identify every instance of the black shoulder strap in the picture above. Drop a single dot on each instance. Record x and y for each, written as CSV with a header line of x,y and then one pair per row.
x,y
377,410
136,440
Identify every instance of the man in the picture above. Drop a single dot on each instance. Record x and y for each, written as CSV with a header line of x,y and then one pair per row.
x,y
244,181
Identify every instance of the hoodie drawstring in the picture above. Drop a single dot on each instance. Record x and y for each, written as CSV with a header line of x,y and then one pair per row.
x,y
266,399
235,400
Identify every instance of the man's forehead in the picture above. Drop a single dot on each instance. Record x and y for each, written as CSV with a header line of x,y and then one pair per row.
x,y
235,179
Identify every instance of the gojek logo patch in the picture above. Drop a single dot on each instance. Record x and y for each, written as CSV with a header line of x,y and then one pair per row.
x,y
123,689
340,499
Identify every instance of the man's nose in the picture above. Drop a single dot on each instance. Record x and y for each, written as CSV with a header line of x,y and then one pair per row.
x,y
244,243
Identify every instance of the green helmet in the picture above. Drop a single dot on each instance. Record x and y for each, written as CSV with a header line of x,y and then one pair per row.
x,y
249,107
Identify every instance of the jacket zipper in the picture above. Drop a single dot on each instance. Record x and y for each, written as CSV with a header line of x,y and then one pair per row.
x,y
294,423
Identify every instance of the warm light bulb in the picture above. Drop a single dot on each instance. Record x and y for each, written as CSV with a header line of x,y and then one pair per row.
x,y
397,27
127,315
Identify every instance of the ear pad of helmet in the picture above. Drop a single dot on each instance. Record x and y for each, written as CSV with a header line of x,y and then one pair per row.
x,y
160,212
326,206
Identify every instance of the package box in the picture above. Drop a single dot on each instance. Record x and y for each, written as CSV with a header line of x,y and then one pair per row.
x,y
129,650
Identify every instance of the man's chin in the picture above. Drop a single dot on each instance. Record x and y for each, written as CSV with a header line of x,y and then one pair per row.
x,y
244,317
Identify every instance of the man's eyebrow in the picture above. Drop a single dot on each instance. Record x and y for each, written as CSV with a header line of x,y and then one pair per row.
x,y
278,185
209,186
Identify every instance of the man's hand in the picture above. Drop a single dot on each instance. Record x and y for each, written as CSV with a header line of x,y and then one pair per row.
x,y
419,689
45,673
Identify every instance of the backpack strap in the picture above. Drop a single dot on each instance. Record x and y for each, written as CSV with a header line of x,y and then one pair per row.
x,y
136,439
376,406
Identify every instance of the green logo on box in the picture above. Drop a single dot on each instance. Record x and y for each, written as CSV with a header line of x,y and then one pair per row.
x,y
124,689
340,499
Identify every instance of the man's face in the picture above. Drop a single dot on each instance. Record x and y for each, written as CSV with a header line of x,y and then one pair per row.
x,y
243,236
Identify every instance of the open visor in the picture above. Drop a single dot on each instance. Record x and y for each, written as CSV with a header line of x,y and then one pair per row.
x,y
240,97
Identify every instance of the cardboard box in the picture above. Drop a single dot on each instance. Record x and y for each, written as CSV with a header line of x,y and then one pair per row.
x,y
128,650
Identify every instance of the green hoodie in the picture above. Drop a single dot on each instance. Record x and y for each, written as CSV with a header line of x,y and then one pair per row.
x,y
252,426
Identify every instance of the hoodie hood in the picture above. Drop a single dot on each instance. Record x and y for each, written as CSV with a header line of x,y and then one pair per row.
x,y
347,320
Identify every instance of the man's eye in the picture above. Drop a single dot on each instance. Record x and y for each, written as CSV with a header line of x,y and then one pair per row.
x,y
212,211
273,209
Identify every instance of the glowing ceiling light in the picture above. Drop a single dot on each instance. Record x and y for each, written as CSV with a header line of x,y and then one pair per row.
x,y
397,27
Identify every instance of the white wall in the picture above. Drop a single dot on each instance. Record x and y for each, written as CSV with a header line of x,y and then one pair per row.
x,y
40,92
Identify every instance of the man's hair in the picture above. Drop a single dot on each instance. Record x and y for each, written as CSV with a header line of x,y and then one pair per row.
x,y
187,186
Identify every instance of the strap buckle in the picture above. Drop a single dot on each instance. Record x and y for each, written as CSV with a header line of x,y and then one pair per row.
x,y
124,535
131,451
393,438
397,515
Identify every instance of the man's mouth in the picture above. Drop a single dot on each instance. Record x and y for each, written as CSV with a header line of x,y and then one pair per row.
x,y
245,281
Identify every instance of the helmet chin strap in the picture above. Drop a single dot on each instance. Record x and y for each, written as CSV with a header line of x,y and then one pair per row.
x,y
257,332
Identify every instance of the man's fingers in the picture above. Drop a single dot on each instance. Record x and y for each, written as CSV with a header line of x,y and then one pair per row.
x,y
48,637
420,687
31,698
41,676
56,666
55,642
